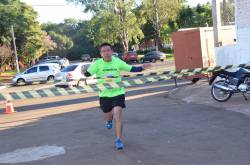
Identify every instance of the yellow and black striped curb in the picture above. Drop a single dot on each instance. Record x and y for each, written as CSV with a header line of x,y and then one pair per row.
x,y
195,70
170,73
147,78
51,92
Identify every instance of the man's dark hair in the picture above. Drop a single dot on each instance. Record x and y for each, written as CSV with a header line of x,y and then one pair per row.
x,y
105,44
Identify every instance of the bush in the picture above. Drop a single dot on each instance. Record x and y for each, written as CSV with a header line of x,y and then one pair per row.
x,y
143,51
167,50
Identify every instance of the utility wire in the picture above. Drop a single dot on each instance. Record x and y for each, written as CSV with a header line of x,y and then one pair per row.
x,y
56,5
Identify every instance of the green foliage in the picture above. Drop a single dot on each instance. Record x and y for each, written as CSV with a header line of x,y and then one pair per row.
x,y
114,21
167,50
63,43
71,31
158,14
30,39
198,16
5,55
123,23
105,28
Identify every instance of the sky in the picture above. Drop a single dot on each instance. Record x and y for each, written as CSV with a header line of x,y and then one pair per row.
x,y
58,10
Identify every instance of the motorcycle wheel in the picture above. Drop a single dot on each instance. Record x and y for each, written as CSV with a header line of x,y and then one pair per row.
x,y
219,94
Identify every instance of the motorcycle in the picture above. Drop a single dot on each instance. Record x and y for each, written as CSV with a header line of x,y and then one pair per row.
x,y
230,83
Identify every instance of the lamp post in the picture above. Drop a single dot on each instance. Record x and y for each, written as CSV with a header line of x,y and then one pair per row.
x,y
14,43
217,23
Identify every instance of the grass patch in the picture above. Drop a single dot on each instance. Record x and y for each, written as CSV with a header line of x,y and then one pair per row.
x,y
8,73
170,56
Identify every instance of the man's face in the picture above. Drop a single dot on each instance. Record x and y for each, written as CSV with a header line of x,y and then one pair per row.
x,y
106,53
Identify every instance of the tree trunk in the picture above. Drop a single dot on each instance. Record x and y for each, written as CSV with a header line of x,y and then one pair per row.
x,y
157,26
124,34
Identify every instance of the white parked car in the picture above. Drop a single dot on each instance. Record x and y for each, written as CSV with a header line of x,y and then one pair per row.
x,y
52,58
36,73
63,62
72,76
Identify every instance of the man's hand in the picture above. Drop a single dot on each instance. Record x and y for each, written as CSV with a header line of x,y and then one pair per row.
x,y
84,69
146,66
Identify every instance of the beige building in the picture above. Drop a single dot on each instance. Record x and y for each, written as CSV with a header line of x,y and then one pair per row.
x,y
240,52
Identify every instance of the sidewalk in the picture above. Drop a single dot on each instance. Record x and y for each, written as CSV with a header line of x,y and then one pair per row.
x,y
200,94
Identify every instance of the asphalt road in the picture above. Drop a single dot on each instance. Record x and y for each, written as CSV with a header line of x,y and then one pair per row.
x,y
158,130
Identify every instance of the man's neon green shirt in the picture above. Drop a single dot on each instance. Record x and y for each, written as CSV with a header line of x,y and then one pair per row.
x,y
109,72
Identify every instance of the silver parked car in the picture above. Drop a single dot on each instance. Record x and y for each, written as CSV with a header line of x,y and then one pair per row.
x,y
72,75
41,72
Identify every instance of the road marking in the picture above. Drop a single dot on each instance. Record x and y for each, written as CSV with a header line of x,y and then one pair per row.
x,y
2,87
31,154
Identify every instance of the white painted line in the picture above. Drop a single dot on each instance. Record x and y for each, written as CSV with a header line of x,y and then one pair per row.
x,y
31,154
2,87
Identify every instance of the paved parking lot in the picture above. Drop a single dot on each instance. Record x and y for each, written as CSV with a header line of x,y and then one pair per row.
x,y
162,125
158,130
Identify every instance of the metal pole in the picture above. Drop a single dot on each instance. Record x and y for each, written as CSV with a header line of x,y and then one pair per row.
x,y
175,81
216,23
14,43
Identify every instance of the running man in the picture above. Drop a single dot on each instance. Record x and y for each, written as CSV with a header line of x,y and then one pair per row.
x,y
112,101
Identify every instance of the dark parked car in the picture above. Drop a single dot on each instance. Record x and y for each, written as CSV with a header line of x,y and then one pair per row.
x,y
118,55
85,57
154,56
130,57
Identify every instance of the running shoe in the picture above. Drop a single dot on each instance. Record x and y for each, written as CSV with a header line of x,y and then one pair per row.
x,y
118,144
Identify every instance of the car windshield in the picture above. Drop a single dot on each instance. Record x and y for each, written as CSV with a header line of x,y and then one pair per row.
x,y
53,62
69,68
133,53
158,53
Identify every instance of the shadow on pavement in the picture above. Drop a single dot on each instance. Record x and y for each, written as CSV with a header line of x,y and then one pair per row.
x,y
86,99
157,130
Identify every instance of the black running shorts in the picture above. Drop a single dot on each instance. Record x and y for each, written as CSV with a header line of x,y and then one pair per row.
x,y
108,103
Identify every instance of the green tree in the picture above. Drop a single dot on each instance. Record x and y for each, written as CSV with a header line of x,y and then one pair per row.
x,y
159,12
63,43
119,22
80,32
198,16
30,39
5,55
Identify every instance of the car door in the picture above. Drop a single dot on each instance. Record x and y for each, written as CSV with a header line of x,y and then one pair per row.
x,y
156,56
31,74
149,56
44,73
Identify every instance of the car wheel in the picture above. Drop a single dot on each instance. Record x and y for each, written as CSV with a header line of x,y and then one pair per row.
x,y
50,78
81,83
162,60
20,81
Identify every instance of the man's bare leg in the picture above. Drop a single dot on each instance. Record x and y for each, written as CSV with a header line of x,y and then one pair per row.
x,y
118,121
108,116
